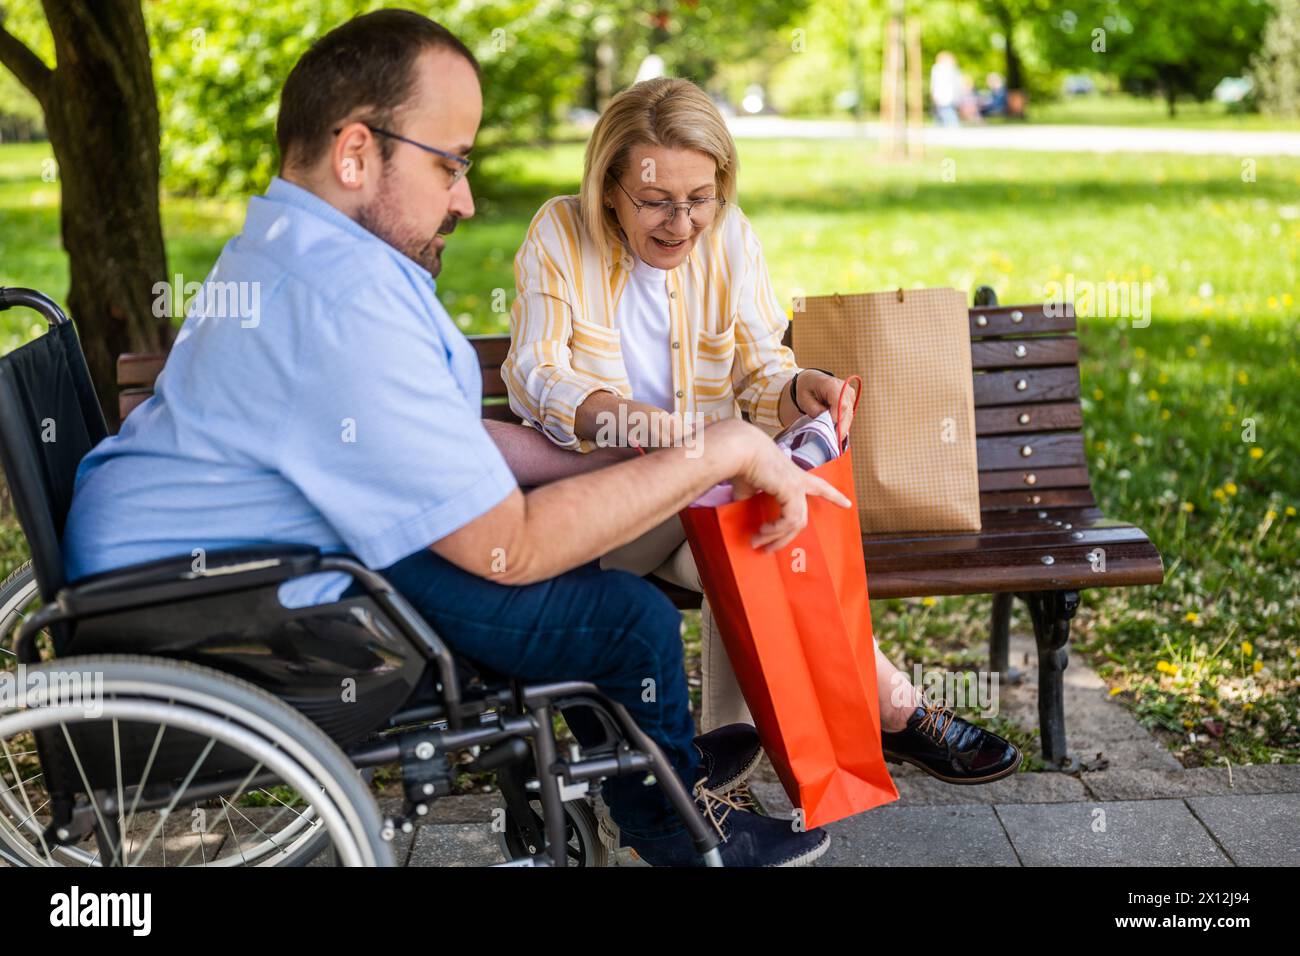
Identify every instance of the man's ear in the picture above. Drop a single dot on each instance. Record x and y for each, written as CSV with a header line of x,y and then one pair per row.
x,y
352,156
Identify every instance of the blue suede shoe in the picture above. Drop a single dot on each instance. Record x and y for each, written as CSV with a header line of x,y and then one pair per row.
x,y
728,755
748,839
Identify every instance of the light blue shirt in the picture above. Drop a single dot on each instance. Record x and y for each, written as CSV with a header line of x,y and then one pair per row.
x,y
326,398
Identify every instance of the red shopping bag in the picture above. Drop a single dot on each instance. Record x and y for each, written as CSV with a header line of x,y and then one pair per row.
x,y
797,627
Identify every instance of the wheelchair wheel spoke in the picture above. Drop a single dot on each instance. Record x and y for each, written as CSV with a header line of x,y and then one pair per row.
x,y
144,777
224,813
90,792
176,798
22,790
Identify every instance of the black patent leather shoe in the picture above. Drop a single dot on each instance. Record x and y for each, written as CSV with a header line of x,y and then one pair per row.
x,y
951,749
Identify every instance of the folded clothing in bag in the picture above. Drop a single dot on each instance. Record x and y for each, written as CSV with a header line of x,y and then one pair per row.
x,y
809,442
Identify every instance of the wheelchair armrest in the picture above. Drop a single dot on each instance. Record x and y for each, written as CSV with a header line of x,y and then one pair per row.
x,y
175,579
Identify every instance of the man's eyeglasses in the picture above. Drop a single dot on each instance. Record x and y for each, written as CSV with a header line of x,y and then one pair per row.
x,y
463,163
658,213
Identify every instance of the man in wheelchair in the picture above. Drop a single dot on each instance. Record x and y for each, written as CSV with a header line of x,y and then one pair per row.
x,y
344,414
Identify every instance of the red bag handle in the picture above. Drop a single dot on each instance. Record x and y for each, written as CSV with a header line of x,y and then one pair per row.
x,y
839,400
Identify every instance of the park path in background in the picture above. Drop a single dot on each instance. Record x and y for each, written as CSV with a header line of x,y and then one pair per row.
x,y
1047,138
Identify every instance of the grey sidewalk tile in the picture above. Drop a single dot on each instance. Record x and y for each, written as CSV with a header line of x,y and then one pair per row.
x,y
919,836
1136,833
455,844
917,788
1260,830
1147,784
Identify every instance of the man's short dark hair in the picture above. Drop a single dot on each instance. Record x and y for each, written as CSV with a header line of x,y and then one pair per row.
x,y
364,69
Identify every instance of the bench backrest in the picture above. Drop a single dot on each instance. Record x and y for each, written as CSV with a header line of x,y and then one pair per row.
x,y
1028,421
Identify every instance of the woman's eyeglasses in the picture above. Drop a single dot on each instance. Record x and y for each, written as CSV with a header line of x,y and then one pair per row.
x,y
463,163
658,213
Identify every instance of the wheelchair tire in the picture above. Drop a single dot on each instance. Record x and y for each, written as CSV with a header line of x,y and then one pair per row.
x,y
580,826
242,723
18,592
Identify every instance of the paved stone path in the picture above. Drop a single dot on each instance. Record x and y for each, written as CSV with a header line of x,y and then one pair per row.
x,y
1039,138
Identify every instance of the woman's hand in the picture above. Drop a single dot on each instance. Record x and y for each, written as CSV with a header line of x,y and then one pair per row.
x,y
819,392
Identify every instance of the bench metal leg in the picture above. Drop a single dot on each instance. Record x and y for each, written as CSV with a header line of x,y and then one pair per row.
x,y
999,637
1051,612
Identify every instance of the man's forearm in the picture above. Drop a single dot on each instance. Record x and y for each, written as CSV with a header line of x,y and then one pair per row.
x,y
563,529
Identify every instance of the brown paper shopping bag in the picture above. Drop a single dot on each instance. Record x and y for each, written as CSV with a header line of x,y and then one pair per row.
x,y
913,436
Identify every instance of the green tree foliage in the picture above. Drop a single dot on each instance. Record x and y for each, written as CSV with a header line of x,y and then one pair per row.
x,y
1176,49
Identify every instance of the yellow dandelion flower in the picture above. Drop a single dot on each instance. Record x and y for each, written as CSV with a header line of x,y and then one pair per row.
x,y
1232,409
1289,511
1188,507
1153,395
927,602
1243,378
1205,341
1230,488
1162,378
1164,667
1191,351
1116,690
1247,648
1286,298
1257,453
1248,706
1272,302
1165,415
1140,352
1191,616
1188,724
1270,515
1257,666
1219,495
1097,395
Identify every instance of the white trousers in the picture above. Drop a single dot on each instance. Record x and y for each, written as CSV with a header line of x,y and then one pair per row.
x,y
663,551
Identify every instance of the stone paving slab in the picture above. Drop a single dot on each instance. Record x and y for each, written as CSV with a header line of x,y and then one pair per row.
x,y
920,836
1259,830
1137,833
1148,784
455,844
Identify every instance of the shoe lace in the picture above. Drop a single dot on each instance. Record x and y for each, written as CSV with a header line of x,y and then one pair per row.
x,y
717,806
933,723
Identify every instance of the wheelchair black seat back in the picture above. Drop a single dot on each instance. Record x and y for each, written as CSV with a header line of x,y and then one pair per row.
x,y
313,694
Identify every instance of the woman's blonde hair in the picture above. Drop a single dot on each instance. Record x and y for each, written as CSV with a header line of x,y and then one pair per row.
x,y
672,113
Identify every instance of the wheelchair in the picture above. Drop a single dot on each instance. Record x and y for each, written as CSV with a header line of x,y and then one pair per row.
x,y
174,713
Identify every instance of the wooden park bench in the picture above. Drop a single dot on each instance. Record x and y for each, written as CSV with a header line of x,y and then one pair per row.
x,y
1043,538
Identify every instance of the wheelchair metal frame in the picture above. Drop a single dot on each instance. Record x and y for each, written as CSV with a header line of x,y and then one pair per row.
x,y
419,735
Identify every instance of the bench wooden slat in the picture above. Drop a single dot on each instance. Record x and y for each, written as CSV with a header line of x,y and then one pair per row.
x,y
1026,520
1022,353
879,553
139,368
499,412
1048,498
492,349
1127,564
1001,320
1042,449
1051,416
1025,479
1052,384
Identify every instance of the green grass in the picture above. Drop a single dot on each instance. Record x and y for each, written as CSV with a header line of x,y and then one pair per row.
x,y
1164,404
1123,110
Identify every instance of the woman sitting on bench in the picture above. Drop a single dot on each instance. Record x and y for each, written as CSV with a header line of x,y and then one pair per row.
x,y
644,311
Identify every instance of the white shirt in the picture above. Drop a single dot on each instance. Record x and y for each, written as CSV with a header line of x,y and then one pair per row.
x,y
645,327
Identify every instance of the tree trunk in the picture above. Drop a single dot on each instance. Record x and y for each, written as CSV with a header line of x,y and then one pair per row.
x,y
101,112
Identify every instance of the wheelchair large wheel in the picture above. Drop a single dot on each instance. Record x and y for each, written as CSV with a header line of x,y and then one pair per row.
x,y
581,829
124,760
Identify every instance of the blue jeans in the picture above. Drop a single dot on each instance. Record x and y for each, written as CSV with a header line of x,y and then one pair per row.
x,y
608,627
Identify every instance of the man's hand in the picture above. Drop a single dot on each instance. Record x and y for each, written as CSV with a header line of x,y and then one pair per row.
x,y
768,469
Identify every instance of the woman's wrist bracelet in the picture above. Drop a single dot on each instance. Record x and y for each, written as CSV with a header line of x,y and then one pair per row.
x,y
794,386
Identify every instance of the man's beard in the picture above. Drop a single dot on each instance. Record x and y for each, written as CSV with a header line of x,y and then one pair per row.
x,y
382,217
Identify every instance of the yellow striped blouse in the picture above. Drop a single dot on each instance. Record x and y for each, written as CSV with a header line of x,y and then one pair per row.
x,y
726,325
